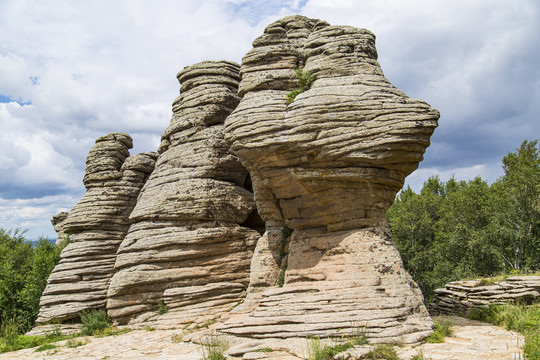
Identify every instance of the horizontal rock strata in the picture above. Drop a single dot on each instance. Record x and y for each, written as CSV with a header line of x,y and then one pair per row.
x,y
460,297
57,222
96,226
186,257
327,165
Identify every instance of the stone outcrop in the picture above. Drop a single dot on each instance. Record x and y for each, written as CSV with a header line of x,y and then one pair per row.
x,y
328,166
58,222
186,256
320,170
96,226
460,297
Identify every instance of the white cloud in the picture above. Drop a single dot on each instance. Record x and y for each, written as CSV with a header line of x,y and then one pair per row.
x,y
89,68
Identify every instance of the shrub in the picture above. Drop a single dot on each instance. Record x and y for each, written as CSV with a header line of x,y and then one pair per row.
x,y
443,328
162,308
305,80
24,270
94,322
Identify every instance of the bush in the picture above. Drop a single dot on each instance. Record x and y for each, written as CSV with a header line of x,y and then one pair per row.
x,y
443,328
24,270
94,322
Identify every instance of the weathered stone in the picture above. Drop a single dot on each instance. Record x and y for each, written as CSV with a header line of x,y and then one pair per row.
x,y
97,224
187,250
328,166
57,222
460,297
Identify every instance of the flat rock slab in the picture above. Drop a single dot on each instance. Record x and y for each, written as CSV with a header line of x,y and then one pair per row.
x,y
472,340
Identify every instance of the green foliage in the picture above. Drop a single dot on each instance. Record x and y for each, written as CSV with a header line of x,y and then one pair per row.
x,y
522,318
305,79
281,278
11,340
162,308
94,322
461,229
45,347
443,328
316,350
213,347
383,352
24,270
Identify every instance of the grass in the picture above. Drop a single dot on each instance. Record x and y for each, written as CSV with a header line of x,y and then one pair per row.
x,y
316,350
518,317
95,322
213,347
305,80
383,352
45,347
443,328
73,343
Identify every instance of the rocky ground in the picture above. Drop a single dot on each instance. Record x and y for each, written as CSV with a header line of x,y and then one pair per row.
x,y
472,340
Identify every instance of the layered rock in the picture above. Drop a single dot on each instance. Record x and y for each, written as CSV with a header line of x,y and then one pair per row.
x,y
186,257
96,226
460,297
328,166
57,222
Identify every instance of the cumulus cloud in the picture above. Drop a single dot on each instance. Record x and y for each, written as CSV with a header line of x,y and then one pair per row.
x,y
73,71
476,62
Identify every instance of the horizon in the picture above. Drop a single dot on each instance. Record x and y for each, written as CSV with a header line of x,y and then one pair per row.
x,y
71,73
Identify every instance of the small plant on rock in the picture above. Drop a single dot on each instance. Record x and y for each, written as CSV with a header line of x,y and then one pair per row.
x,y
213,347
443,328
94,322
305,80
162,308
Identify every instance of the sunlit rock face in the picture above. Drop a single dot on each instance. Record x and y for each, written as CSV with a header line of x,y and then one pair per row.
x,y
328,166
186,256
96,226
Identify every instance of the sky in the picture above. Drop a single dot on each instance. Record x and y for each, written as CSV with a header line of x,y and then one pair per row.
x,y
71,71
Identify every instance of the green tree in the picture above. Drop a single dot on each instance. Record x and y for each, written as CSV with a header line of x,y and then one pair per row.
x,y
24,270
518,206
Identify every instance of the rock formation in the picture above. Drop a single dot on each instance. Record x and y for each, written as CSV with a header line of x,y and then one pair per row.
x,y
58,222
186,256
460,297
324,167
97,224
328,166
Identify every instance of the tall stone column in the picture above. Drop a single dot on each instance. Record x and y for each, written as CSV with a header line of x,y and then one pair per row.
x,y
326,166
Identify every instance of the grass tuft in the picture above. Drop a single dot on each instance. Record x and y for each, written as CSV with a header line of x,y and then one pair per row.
x,y
383,352
213,347
443,328
94,322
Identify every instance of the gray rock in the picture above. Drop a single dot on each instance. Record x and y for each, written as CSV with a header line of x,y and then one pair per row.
x,y
328,166
57,222
96,226
461,297
187,251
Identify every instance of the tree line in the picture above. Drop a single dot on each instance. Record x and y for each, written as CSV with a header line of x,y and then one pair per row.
x,y
459,229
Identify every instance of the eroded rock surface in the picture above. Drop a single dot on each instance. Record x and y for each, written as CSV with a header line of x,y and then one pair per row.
x,y
97,224
460,297
328,166
57,222
186,257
